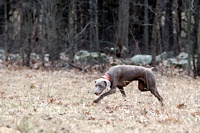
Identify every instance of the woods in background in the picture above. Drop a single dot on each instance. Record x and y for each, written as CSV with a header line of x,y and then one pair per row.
x,y
142,27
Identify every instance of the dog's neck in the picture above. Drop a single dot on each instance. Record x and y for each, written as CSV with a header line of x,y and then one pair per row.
x,y
106,76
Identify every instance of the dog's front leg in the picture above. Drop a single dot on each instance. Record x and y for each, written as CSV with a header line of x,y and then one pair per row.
x,y
122,91
111,91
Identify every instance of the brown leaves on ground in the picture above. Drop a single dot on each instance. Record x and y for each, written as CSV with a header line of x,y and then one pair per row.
x,y
61,101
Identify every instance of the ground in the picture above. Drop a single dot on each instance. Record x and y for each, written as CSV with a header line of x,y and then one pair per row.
x,y
36,101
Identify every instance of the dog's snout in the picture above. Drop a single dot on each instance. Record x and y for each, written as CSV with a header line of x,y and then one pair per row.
x,y
96,92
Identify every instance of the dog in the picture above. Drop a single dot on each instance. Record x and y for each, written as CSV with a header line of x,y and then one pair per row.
x,y
121,75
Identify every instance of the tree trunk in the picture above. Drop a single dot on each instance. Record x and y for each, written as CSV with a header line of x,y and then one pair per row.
x,y
55,28
123,25
72,30
155,30
198,36
6,28
94,31
176,32
96,26
198,61
28,53
195,37
168,27
146,26
92,25
43,34
189,24
58,18
21,33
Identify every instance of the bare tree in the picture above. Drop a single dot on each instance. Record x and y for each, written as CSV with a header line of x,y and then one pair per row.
x,y
28,52
176,28
155,32
72,30
96,25
45,28
146,26
168,26
6,27
21,33
55,17
123,25
198,38
94,30
188,11
92,23
197,35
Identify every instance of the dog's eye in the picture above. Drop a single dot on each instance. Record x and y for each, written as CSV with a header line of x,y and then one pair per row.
x,y
100,86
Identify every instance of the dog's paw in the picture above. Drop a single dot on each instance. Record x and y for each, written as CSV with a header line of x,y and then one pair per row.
x,y
95,101
124,98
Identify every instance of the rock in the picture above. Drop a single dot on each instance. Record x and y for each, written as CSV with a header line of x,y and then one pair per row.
x,y
2,57
14,57
35,56
81,55
2,54
93,57
46,57
146,59
164,56
2,51
111,51
178,63
63,56
182,56
141,59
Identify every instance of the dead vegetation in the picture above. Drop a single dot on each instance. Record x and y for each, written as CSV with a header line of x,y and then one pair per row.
x,y
61,101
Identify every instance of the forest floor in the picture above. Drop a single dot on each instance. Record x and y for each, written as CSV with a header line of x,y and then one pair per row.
x,y
35,101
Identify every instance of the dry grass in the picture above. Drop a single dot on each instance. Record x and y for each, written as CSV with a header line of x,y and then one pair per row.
x,y
61,101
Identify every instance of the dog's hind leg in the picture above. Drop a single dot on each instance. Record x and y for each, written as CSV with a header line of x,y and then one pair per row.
x,y
142,86
157,95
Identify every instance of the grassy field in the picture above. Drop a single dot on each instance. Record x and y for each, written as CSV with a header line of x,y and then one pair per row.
x,y
36,101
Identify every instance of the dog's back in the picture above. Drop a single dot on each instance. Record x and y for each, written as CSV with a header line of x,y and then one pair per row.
x,y
129,72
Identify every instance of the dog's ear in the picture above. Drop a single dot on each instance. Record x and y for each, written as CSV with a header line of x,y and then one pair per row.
x,y
108,84
105,83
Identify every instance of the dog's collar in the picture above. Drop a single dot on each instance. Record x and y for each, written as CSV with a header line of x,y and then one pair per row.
x,y
106,76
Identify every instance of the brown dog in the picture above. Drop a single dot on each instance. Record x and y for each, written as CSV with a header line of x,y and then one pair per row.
x,y
121,75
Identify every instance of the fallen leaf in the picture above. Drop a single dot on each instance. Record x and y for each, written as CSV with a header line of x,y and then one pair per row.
x,y
91,118
181,106
52,100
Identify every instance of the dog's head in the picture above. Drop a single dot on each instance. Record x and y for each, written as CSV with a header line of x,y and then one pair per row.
x,y
100,85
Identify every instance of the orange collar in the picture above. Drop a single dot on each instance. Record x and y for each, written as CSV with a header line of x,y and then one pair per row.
x,y
106,76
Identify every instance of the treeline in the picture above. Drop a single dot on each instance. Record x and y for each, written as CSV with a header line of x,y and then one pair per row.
x,y
142,27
